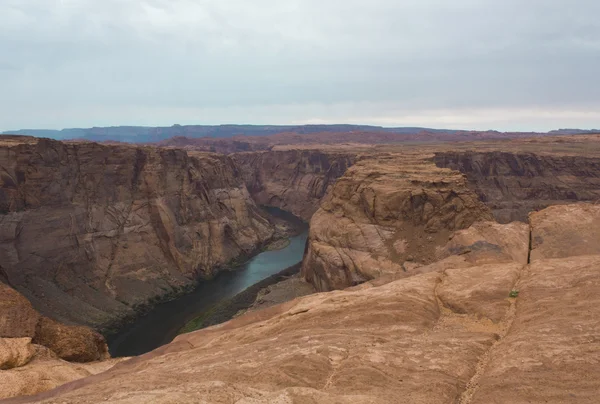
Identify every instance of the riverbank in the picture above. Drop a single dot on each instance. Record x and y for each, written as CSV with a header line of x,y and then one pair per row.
x,y
286,226
161,324
229,308
289,289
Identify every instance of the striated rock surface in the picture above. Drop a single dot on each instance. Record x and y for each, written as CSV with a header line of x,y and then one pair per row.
x,y
451,335
514,184
17,317
293,180
88,233
552,352
393,343
385,213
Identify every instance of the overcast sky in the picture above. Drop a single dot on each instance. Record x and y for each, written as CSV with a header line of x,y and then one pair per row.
x,y
475,64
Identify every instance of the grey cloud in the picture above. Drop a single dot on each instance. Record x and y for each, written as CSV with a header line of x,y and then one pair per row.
x,y
84,62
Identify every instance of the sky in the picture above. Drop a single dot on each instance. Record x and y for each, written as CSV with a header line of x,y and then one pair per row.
x,y
461,64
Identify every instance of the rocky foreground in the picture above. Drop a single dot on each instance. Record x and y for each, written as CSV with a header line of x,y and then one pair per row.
x,y
478,327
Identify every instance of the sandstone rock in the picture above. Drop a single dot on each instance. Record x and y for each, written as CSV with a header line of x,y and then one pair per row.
x,y
449,335
19,322
565,231
386,210
489,242
71,343
90,232
482,290
46,372
15,352
514,184
293,180
17,317
552,352
384,344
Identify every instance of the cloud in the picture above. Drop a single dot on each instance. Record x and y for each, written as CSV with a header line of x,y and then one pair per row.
x,y
81,62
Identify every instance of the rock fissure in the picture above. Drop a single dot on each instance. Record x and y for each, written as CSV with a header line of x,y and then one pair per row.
x,y
467,395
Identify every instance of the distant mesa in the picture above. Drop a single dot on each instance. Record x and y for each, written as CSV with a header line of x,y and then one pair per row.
x,y
260,137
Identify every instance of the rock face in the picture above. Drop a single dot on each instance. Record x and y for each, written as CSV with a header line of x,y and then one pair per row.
x,y
385,213
90,232
293,180
451,334
33,349
17,317
552,351
19,321
71,343
489,242
514,184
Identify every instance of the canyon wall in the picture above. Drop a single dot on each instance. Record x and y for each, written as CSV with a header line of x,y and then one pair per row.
x,y
386,214
293,180
88,233
514,184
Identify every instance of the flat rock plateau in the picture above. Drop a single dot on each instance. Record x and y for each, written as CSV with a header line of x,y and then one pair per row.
x,y
464,272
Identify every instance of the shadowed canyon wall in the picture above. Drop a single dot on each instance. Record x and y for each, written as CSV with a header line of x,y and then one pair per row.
x,y
293,180
90,232
514,184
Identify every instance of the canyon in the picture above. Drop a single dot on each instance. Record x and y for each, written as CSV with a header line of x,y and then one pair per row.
x,y
448,272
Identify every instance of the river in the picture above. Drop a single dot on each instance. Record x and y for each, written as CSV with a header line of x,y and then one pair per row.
x,y
164,321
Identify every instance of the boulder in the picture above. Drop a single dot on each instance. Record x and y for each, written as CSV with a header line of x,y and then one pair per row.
x,y
71,343
15,352
46,372
17,317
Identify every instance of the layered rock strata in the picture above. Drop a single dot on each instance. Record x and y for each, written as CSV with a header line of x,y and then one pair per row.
x,y
293,180
89,233
514,184
467,332
383,216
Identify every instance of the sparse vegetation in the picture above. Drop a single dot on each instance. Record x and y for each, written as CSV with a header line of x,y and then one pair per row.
x,y
514,293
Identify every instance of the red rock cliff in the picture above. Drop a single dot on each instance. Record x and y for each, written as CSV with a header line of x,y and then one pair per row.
x,y
293,180
88,232
384,214
514,184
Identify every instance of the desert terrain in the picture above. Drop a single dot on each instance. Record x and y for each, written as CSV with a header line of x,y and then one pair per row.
x,y
458,271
